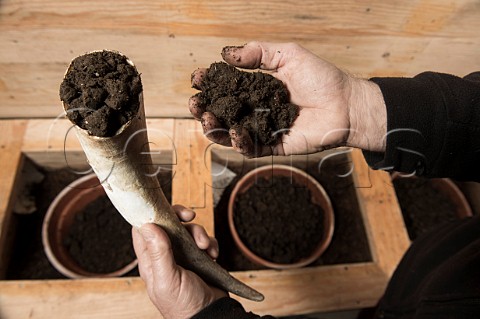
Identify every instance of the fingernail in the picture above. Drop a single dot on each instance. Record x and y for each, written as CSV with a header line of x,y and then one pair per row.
x,y
183,214
187,214
231,51
147,234
215,252
201,239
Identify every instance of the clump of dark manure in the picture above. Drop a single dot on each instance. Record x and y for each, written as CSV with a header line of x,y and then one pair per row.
x,y
99,239
256,101
101,92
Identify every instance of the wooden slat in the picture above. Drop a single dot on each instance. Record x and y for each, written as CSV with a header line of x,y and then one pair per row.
x,y
168,40
56,135
11,138
386,230
309,18
76,299
287,292
315,289
52,143
192,182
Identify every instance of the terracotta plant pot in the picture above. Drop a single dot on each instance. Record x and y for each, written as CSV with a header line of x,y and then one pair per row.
x,y
447,187
427,203
60,216
318,197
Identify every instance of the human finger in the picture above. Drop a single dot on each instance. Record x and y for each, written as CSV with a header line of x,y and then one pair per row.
x,y
184,214
199,234
196,107
159,251
213,249
243,144
263,55
197,77
140,248
203,241
213,130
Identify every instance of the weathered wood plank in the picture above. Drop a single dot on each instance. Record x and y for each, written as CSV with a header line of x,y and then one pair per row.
x,y
316,289
79,299
385,228
168,41
287,292
309,18
11,138
57,135
192,180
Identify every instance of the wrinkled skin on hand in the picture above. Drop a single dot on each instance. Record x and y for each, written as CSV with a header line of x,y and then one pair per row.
x,y
176,292
320,89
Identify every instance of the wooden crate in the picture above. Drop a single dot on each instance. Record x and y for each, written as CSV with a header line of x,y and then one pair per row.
x,y
313,289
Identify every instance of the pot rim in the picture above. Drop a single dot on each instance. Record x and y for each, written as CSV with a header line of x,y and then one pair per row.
x,y
329,218
50,229
445,185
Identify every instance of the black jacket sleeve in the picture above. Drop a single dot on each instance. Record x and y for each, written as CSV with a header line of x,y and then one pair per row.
x,y
433,125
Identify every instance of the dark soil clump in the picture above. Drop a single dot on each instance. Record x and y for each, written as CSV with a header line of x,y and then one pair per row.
x,y
101,92
423,207
277,221
256,101
99,239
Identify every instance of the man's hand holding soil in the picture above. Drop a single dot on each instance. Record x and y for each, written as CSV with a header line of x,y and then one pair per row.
x,y
442,112
336,109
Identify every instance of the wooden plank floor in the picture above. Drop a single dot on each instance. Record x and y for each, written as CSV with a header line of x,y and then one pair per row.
x,y
168,40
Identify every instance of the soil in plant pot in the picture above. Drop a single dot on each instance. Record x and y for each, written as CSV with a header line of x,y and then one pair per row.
x,y
256,101
423,207
349,242
101,92
277,221
28,259
99,239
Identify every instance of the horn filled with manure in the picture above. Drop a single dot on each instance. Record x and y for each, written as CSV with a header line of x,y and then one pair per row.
x,y
102,95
